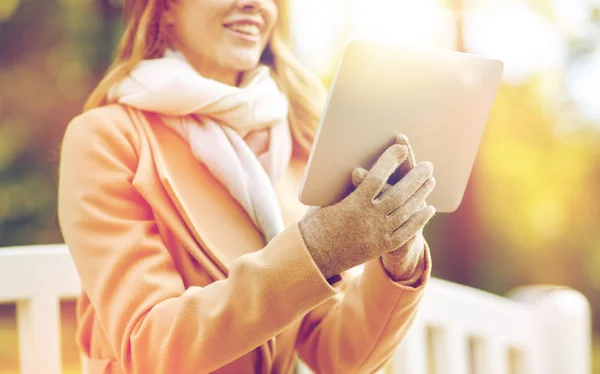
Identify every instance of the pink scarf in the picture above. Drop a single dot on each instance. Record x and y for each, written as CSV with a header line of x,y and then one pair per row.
x,y
214,118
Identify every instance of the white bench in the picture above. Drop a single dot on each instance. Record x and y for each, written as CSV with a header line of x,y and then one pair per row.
x,y
538,330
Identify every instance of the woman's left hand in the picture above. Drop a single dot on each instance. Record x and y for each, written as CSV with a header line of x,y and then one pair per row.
x,y
407,263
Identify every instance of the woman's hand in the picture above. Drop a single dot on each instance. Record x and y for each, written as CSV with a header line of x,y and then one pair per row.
x,y
369,221
406,263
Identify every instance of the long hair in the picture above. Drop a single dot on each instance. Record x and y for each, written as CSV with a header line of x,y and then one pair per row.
x,y
145,37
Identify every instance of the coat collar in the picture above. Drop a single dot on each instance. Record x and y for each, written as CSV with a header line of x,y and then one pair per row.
x,y
220,226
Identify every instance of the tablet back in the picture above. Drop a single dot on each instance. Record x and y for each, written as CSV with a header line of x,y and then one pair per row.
x,y
440,99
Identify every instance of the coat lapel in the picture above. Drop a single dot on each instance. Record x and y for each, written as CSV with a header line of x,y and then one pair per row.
x,y
220,225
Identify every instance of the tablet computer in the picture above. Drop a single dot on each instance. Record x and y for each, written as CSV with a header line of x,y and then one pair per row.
x,y
440,99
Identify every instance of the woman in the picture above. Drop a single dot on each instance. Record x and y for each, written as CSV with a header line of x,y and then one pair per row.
x,y
178,200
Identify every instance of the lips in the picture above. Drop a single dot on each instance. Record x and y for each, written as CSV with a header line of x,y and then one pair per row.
x,y
248,28
244,28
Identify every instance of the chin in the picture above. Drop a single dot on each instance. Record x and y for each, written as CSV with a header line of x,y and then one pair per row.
x,y
243,61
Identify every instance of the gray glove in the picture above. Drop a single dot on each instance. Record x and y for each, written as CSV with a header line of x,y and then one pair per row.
x,y
406,263
370,222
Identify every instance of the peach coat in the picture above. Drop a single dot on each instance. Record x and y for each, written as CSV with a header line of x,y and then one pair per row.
x,y
175,277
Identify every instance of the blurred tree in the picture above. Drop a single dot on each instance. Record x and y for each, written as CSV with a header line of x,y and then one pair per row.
x,y
111,16
50,58
455,236
25,187
531,207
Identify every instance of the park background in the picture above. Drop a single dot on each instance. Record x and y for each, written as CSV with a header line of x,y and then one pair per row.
x,y
530,213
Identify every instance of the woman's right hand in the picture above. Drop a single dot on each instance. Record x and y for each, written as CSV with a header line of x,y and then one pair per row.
x,y
370,222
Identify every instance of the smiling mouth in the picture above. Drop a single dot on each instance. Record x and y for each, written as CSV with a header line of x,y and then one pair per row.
x,y
245,29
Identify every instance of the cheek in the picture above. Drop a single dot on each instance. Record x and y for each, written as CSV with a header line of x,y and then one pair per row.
x,y
200,21
271,17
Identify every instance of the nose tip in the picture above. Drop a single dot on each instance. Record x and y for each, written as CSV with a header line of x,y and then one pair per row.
x,y
250,5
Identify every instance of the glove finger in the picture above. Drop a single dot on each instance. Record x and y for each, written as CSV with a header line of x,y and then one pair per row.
x,y
414,203
401,251
410,162
411,227
359,175
410,159
405,166
379,174
403,189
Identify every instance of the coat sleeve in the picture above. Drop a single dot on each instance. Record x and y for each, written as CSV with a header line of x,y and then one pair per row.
x,y
153,323
357,331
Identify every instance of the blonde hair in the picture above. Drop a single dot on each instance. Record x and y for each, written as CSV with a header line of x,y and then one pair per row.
x,y
145,37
